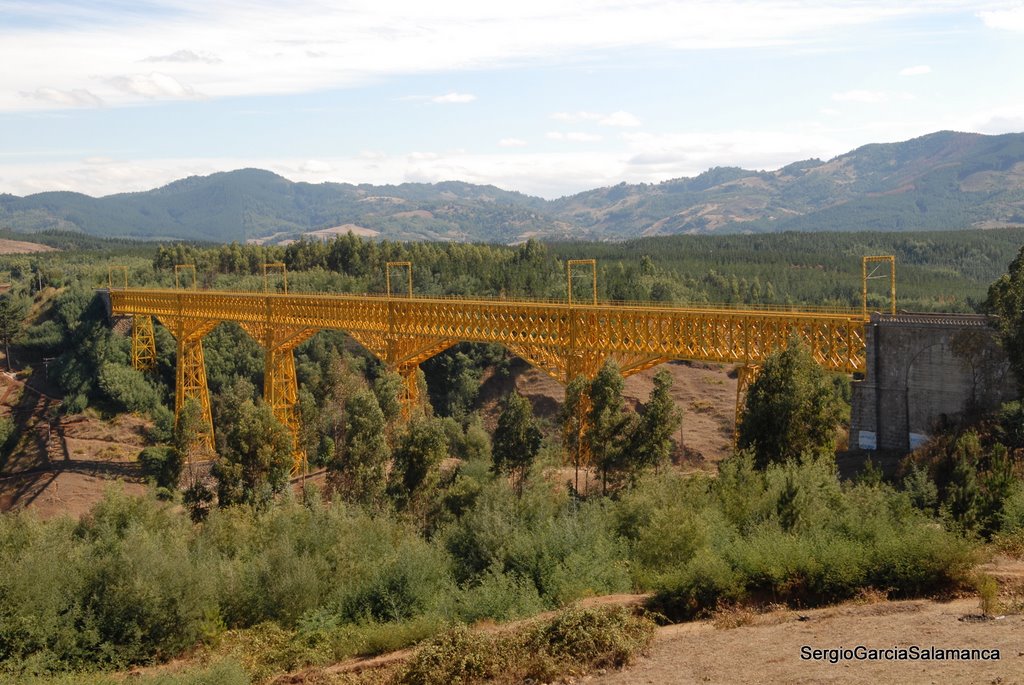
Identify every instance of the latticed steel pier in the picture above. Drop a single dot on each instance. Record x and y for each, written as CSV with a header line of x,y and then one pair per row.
x,y
563,339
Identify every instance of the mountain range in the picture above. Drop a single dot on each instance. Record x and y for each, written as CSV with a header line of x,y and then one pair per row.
x,y
944,180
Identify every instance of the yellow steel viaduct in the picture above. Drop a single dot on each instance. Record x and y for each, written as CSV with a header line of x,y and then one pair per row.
x,y
563,338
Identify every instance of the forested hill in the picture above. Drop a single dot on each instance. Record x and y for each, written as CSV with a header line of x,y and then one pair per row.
x,y
941,181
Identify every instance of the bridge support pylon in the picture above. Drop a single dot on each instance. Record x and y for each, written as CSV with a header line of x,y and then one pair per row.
x,y
410,398
190,377
143,343
280,388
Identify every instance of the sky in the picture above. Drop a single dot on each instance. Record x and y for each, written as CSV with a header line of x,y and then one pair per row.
x,y
545,97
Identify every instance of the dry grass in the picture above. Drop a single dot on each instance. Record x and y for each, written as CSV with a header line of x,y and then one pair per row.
x,y
870,595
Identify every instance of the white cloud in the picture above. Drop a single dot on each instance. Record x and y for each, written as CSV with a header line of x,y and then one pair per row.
x,y
619,118
1008,20
575,117
79,97
918,70
268,48
863,96
688,154
574,136
1008,118
315,166
511,142
186,56
453,98
153,85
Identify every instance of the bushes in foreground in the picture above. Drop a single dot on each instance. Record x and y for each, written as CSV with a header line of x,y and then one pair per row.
x,y
137,582
792,534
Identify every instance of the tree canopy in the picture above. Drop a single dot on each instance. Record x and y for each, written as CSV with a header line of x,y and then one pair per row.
x,y
1006,302
792,407
517,438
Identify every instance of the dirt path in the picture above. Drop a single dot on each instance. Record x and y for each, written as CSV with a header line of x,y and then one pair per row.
x,y
769,649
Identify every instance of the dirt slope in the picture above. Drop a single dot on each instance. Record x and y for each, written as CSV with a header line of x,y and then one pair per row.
x,y
22,247
706,393
62,465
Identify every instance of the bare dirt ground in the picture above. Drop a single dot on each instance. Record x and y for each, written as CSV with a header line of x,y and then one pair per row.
x,y
22,247
769,649
62,465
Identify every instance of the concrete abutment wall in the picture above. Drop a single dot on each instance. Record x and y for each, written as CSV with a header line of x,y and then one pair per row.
x,y
924,370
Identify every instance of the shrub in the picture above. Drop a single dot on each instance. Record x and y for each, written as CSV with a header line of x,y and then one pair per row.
x,y
794,535
499,596
593,638
702,585
572,643
143,597
988,594
120,587
162,465
128,387
542,538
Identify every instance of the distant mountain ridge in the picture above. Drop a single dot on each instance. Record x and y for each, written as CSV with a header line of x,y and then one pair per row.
x,y
943,180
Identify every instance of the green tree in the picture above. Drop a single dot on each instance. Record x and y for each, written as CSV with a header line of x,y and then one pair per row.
x,y
610,426
573,419
162,465
257,459
1006,303
963,497
651,443
388,388
190,436
11,314
360,468
791,408
421,448
127,387
923,492
516,438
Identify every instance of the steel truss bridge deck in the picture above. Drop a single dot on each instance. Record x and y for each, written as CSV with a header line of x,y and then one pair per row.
x,y
564,340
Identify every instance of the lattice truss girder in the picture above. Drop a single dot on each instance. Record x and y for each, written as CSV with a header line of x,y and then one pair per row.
x,y
837,340
190,377
280,387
